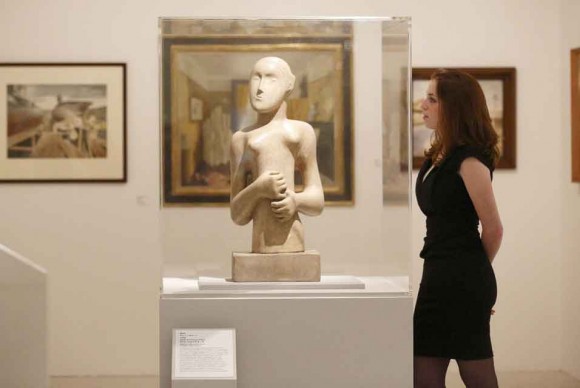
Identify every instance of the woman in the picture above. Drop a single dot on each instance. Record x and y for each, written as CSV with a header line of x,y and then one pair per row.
x,y
454,191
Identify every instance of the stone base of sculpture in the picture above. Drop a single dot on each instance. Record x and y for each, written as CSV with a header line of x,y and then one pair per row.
x,y
276,267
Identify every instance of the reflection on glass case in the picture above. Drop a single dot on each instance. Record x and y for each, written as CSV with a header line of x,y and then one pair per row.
x,y
351,85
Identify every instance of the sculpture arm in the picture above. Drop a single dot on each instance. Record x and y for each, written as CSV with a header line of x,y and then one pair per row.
x,y
311,200
243,199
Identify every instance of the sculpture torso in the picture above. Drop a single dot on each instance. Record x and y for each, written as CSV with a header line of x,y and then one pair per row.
x,y
263,159
273,147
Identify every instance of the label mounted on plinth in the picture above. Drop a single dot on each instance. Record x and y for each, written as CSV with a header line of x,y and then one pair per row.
x,y
204,354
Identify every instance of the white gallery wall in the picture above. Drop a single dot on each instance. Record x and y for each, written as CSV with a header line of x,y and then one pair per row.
x,y
570,205
102,244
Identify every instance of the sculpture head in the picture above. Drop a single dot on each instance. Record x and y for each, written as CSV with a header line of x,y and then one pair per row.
x,y
271,82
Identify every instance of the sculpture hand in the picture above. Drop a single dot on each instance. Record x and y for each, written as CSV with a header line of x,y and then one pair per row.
x,y
272,185
285,209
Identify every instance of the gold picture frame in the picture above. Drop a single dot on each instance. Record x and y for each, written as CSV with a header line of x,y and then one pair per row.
x,y
215,71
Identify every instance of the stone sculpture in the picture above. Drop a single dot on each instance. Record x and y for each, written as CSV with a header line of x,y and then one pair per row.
x,y
264,157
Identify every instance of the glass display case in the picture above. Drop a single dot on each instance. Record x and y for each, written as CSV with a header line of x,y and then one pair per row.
x,y
345,84
351,86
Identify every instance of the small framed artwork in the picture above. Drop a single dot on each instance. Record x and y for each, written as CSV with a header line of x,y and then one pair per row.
x,y
62,122
575,99
206,98
196,109
499,87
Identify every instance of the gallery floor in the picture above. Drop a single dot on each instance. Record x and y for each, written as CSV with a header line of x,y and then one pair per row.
x,y
506,380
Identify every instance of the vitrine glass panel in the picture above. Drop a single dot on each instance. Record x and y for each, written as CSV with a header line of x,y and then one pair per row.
x,y
351,86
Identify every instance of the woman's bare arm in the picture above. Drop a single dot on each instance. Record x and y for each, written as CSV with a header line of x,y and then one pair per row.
x,y
477,181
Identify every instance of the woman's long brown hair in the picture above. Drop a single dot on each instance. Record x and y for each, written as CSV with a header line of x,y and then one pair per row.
x,y
463,116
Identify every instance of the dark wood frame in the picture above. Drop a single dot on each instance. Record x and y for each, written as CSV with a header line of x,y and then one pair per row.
x,y
123,177
575,111
341,195
508,77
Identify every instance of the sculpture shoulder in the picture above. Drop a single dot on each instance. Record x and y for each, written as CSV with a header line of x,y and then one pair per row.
x,y
302,128
239,137
248,129
239,140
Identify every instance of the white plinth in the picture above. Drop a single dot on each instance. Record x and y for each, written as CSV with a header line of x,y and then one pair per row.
x,y
301,338
326,283
23,340
204,384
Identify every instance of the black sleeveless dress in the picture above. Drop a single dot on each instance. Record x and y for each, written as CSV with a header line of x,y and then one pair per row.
x,y
458,287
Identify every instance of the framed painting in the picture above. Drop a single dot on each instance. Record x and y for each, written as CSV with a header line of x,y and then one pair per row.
x,y
215,72
499,87
63,122
575,112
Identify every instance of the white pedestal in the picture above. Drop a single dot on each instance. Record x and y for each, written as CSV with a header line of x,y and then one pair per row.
x,y
23,340
204,384
325,283
302,338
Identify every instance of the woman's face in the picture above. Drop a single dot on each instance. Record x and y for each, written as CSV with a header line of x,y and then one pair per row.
x,y
430,106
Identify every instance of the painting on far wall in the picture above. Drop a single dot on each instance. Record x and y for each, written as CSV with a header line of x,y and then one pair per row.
x,y
575,99
62,122
206,99
75,128
498,86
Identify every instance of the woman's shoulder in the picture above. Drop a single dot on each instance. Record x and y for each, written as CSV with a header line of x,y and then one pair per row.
x,y
463,152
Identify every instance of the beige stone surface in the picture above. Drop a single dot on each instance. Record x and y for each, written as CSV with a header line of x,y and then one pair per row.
x,y
276,267
264,158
